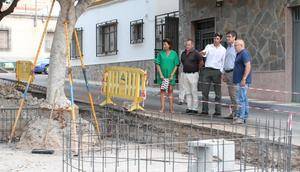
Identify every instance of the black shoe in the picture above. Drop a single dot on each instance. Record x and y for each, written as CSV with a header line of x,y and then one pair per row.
x,y
204,113
194,111
188,111
229,117
217,114
180,103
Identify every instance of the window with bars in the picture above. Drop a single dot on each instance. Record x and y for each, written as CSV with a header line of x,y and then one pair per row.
x,y
4,39
73,47
204,32
106,38
297,14
136,31
48,41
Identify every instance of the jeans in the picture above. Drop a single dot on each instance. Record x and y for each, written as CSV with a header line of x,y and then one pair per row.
x,y
242,100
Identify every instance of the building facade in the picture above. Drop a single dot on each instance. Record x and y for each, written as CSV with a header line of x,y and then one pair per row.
x,y
124,32
21,31
271,32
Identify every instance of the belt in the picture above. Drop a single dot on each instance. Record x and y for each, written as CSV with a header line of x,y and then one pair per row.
x,y
211,68
228,71
190,72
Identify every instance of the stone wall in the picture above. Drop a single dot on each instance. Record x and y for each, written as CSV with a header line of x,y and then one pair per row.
x,y
95,72
261,23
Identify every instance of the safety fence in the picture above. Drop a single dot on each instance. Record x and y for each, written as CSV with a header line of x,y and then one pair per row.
x,y
23,70
125,83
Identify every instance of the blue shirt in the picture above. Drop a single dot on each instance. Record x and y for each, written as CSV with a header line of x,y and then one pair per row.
x,y
241,59
229,57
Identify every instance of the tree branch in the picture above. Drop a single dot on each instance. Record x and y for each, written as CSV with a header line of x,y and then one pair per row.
x,y
9,10
81,7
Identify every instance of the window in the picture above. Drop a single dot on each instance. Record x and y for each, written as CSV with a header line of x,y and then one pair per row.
x,y
48,41
4,39
297,14
136,31
204,32
106,38
74,51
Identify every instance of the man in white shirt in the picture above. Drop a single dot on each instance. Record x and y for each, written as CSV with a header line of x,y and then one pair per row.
x,y
212,73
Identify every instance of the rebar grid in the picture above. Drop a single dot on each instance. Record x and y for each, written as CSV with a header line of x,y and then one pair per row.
x,y
7,118
144,142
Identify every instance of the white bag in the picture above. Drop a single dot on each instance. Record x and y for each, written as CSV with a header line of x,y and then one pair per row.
x,y
165,85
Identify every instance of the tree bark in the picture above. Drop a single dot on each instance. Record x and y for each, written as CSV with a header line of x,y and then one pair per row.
x,y
57,70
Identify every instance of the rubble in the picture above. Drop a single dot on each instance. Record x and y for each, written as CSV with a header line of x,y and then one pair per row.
x,y
34,135
10,97
32,130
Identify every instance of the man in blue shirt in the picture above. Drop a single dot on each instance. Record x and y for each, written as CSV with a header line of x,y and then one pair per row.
x,y
242,78
230,55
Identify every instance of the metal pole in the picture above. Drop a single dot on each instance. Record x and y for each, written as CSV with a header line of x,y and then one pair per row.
x,y
35,13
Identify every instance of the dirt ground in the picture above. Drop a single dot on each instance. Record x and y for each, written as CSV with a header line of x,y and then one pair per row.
x,y
14,160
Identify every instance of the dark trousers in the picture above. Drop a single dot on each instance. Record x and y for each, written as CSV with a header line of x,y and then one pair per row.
x,y
211,77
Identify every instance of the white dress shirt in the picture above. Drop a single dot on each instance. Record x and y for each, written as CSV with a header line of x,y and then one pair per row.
x,y
215,57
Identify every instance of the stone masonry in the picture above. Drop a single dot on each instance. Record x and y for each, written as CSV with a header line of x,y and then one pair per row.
x,y
261,23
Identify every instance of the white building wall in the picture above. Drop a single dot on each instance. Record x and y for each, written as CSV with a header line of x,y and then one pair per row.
x,y
124,11
24,33
166,6
24,37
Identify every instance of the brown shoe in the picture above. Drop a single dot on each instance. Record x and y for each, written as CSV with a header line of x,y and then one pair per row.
x,y
230,116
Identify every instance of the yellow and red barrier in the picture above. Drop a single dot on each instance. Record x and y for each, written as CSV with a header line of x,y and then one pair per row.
x,y
23,70
125,83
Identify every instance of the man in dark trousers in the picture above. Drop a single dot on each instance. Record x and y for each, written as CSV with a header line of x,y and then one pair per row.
x,y
191,61
212,73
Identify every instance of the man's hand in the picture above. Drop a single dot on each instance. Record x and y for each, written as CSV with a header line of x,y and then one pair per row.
x,y
224,78
162,77
202,53
243,82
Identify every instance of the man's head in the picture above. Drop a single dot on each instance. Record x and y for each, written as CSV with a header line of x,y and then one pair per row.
x,y
231,36
217,39
189,45
239,45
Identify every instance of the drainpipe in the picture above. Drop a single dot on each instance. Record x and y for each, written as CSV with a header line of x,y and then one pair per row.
x,y
35,13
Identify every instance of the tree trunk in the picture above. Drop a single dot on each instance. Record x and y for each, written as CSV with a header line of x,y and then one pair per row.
x,y
58,62
57,70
